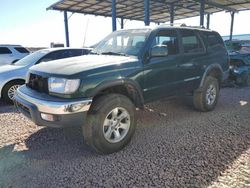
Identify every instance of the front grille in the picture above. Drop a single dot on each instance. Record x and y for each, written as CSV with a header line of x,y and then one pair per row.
x,y
24,108
38,83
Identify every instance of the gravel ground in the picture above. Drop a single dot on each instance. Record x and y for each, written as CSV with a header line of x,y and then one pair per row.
x,y
174,146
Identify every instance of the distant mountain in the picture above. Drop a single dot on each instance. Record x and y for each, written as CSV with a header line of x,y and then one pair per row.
x,y
238,37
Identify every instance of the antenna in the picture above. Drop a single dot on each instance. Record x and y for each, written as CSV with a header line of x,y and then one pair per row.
x,y
85,32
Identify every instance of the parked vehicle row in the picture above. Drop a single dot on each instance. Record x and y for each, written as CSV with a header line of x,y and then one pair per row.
x,y
126,70
14,75
239,52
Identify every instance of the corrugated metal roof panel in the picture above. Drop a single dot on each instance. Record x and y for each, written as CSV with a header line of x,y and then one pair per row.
x,y
159,9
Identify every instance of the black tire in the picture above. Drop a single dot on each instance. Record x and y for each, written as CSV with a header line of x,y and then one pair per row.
x,y
246,80
6,89
200,98
243,79
93,130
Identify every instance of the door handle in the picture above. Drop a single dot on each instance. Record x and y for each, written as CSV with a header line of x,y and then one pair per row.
x,y
186,65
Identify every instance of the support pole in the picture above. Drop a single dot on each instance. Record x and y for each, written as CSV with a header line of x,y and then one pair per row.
x,y
202,12
113,15
232,26
122,23
172,13
66,28
208,21
146,12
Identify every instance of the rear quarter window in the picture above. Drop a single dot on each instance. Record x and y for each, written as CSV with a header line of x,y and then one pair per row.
x,y
4,50
213,39
21,50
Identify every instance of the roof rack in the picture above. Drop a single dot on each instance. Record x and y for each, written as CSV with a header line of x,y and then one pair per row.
x,y
173,24
183,25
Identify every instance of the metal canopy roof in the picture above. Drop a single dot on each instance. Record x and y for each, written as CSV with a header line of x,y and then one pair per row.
x,y
159,9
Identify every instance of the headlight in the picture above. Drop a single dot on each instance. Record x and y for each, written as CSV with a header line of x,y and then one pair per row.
x,y
63,86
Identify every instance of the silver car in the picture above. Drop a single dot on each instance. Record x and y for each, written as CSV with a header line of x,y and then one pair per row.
x,y
12,76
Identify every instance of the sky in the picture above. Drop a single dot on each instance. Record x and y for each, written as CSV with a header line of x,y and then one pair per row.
x,y
27,22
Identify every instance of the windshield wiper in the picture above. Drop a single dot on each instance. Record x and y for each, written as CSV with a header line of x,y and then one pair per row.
x,y
114,53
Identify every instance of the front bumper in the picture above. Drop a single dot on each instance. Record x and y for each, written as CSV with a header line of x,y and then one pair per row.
x,y
66,112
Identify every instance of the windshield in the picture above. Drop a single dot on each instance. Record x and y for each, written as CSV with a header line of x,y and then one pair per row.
x,y
124,42
31,58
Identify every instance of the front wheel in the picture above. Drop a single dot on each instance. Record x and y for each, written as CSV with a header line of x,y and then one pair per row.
x,y
205,98
9,90
110,124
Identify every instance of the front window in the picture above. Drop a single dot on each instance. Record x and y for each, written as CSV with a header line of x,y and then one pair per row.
x,y
125,42
169,39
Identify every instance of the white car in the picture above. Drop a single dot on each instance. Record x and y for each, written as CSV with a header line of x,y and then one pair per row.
x,y
10,54
14,75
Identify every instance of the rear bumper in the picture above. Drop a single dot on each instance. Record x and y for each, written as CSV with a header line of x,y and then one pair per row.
x,y
65,112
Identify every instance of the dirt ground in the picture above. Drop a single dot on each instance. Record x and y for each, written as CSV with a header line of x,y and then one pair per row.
x,y
174,146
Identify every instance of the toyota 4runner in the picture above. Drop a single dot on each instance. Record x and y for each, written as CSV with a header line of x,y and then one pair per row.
x,y
129,68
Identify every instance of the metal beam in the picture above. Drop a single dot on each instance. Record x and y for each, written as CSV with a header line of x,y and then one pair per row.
x,y
146,12
232,26
66,28
114,15
122,23
202,12
171,13
208,21
214,4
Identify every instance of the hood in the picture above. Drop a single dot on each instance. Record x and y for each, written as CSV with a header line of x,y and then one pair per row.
x,y
70,66
9,68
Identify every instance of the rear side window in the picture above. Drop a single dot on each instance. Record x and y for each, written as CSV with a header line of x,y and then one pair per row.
x,y
21,49
190,42
4,50
213,39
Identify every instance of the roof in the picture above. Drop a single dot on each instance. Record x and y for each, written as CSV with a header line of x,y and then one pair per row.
x,y
17,45
159,9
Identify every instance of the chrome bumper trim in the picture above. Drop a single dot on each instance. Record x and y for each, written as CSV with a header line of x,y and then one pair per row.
x,y
57,108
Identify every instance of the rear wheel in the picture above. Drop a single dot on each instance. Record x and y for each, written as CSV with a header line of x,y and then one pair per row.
x,y
9,90
110,124
246,81
205,98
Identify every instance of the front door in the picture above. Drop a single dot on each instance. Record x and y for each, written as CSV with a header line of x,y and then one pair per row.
x,y
160,72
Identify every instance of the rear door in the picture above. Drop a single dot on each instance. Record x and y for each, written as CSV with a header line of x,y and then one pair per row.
x,y
193,59
159,72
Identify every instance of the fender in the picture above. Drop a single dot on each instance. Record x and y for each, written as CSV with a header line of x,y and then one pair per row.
x,y
128,83
210,68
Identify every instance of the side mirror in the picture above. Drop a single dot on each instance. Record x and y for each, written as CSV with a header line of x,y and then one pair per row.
x,y
159,51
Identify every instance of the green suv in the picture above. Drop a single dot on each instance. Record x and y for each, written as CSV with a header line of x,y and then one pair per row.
x,y
129,68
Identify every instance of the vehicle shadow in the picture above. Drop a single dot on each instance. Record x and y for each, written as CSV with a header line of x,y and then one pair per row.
x,y
6,108
174,146
57,142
